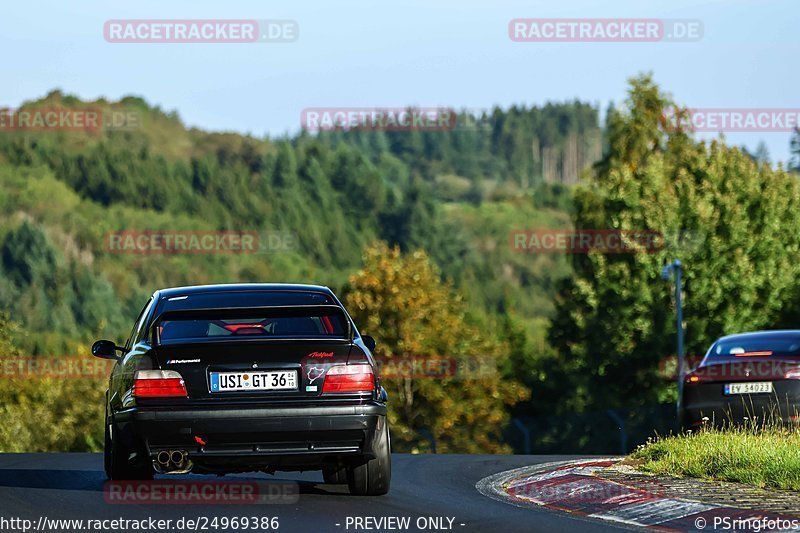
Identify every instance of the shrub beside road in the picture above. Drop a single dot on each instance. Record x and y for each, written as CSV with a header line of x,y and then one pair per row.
x,y
763,457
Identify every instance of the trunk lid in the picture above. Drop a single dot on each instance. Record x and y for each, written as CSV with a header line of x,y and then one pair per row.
x,y
273,353
205,366
746,370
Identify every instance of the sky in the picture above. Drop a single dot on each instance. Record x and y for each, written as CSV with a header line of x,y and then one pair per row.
x,y
390,54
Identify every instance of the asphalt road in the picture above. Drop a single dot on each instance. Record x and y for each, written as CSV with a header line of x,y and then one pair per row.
x,y
435,492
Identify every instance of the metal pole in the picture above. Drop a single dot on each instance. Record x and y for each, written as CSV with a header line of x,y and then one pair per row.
x,y
525,433
623,436
677,268
428,435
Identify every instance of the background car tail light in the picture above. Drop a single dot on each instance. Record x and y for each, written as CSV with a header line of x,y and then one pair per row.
x,y
349,378
753,354
158,384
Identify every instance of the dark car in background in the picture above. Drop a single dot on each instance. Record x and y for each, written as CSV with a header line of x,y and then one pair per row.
x,y
746,377
235,378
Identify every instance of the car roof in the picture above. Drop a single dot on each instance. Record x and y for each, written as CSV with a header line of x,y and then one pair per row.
x,y
777,333
239,287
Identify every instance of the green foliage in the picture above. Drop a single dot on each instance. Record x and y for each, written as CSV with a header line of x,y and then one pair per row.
x,y
401,300
732,222
60,298
27,256
504,145
52,415
585,333
63,192
41,415
755,456
8,330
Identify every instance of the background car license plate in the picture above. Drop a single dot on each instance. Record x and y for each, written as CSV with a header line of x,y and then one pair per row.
x,y
755,387
239,381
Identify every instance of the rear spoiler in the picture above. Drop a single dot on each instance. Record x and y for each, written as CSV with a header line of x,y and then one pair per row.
x,y
276,311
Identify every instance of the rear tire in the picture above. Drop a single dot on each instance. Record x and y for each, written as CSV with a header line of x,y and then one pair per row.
x,y
372,477
683,427
116,460
107,453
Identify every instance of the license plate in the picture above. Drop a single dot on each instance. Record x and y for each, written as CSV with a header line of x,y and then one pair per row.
x,y
239,381
754,387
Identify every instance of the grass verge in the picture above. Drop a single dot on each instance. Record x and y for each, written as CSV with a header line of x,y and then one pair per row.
x,y
764,458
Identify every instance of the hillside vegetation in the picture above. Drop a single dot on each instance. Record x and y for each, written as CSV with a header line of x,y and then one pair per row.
x,y
570,336
63,192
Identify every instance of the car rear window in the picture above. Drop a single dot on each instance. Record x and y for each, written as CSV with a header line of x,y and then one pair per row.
x,y
757,346
312,326
261,322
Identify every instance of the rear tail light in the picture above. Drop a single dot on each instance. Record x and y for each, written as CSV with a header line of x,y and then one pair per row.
x,y
158,384
793,373
349,378
753,354
692,379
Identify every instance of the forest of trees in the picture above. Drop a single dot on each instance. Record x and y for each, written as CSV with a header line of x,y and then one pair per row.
x,y
571,336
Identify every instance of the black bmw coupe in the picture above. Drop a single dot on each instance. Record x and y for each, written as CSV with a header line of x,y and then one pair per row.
x,y
250,377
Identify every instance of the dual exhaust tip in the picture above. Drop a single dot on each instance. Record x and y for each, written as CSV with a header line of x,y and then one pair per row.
x,y
173,459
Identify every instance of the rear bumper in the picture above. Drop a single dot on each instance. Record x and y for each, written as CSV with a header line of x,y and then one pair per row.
x,y
708,400
257,438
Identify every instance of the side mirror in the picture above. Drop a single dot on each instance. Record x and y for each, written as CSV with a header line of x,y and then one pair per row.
x,y
104,350
369,342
